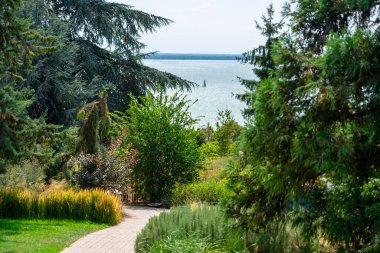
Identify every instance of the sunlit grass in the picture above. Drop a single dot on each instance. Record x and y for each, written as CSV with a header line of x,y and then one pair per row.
x,y
178,229
41,235
91,205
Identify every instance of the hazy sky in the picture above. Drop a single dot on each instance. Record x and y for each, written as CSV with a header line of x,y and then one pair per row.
x,y
205,26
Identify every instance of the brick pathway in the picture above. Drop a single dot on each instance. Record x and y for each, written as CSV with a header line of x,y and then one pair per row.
x,y
120,238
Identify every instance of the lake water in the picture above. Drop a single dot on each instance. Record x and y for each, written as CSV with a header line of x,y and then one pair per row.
x,y
221,84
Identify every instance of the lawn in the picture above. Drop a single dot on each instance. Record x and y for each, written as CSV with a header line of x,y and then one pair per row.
x,y
41,235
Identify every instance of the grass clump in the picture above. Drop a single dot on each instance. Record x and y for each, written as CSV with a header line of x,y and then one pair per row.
x,y
32,236
89,205
211,191
202,223
174,244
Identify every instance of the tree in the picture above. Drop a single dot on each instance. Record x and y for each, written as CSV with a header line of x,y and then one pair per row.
x,y
227,131
15,50
260,58
312,149
161,129
59,90
98,48
18,44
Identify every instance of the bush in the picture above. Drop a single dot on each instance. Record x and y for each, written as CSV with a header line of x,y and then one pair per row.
x,y
211,191
110,170
90,205
209,150
202,223
162,130
227,132
29,174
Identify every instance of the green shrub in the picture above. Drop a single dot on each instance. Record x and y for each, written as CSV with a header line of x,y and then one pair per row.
x,y
209,150
91,205
28,174
199,222
211,191
188,245
227,131
161,128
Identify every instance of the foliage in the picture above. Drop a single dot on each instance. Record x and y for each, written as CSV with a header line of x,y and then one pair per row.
x,y
260,58
227,131
19,134
312,145
90,205
97,47
161,129
18,45
209,188
110,170
204,134
28,174
210,191
42,236
202,222
95,128
187,245
214,169
59,90
210,150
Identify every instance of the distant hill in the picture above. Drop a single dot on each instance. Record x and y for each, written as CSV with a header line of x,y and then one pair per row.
x,y
167,56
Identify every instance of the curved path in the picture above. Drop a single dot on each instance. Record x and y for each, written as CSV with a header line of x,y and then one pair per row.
x,y
120,238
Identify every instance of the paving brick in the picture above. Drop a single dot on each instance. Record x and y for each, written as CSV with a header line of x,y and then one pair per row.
x,y
117,239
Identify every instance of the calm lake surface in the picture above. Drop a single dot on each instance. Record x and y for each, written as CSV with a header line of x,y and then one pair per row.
x,y
221,83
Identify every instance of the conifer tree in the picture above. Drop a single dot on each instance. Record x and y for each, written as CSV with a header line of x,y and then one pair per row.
x,y
18,44
98,48
260,58
59,91
312,150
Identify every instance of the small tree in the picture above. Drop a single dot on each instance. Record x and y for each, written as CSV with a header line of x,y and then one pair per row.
x,y
161,129
227,131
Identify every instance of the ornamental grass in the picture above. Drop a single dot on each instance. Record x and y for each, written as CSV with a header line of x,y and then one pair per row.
x,y
89,205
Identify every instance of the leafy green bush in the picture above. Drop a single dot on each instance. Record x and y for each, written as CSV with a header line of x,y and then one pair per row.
x,y
162,130
92,205
210,191
227,131
209,150
203,223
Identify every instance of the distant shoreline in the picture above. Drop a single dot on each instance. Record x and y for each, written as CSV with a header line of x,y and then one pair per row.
x,y
172,56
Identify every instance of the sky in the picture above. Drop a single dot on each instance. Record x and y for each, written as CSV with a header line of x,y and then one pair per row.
x,y
205,26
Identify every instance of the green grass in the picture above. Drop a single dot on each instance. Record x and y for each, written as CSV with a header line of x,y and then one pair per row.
x,y
211,191
196,228
41,236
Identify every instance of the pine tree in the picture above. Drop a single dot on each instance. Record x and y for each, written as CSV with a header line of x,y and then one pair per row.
x,y
260,58
18,44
